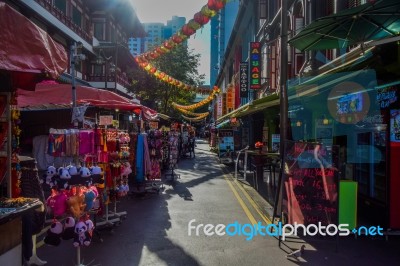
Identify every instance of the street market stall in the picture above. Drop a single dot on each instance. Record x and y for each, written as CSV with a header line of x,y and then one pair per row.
x,y
35,57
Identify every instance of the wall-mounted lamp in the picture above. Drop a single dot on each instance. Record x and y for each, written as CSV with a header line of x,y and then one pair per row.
x,y
298,123
325,121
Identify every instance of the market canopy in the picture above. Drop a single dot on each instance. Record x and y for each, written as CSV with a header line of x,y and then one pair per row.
x,y
49,96
27,52
375,20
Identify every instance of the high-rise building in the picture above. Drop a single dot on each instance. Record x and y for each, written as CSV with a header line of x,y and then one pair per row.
x,y
221,29
156,33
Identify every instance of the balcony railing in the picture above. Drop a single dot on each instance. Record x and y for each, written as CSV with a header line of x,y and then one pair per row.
x,y
67,21
120,79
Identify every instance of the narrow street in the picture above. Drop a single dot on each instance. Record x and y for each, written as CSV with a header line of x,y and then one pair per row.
x,y
155,231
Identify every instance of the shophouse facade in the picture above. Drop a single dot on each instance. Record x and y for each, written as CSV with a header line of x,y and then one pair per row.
x,y
102,29
347,98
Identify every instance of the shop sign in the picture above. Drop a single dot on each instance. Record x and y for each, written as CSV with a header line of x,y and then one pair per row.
x,y
244,79
387,96
219,106
224,107
106,120
255,65
153,125
229,98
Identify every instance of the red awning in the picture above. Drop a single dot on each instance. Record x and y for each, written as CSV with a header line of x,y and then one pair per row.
x,y
26,48
47,96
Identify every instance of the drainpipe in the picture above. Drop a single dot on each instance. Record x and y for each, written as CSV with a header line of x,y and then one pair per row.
x,y
283,97
313,14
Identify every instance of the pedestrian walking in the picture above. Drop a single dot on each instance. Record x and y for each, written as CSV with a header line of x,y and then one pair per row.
x,y
192,144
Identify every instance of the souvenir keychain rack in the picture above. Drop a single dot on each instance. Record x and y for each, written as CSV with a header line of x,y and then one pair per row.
x,y
173,155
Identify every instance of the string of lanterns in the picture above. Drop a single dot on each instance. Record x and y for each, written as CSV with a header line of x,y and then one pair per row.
x,y
215,91
200,19
191,113
194,119
162,76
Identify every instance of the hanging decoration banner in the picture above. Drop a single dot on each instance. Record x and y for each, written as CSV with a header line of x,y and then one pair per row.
x,y
255,65
244,79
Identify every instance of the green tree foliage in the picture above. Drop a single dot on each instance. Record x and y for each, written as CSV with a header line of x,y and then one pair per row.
x,y
181,64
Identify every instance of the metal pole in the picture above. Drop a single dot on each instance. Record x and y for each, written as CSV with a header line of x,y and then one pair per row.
x,y
283,104
73,55
72,63
105,73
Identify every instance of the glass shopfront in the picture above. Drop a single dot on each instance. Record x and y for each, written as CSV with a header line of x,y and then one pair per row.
x,y
353,111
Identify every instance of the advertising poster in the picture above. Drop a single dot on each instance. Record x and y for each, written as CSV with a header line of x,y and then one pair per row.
x,y
395,125
276,141
226,145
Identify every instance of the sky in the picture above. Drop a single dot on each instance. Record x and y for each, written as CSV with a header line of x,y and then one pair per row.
x,y
163,10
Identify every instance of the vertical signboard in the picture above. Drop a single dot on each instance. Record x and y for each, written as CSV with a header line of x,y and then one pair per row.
x,y
219,106
255,65
224,103
244,80
230,93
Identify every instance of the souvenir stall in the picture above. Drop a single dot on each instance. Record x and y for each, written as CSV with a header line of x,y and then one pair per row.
x,y
145,174
155,143
173,155
35,57
86,170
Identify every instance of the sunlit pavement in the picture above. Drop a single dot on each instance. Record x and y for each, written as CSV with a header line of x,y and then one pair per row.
x,y
155,231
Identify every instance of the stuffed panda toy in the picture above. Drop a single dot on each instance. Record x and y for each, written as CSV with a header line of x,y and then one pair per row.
x,y
90,228
96,170
69,227
72,170
81,237
97,174
64,177
53,237
50,176
84,172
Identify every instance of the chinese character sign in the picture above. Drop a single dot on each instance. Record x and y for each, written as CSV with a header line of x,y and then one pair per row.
x,y
255,65
230,94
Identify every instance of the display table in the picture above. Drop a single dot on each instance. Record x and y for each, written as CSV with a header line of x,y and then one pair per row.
x,y
11,213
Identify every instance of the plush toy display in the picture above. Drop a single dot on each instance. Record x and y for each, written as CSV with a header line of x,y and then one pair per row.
x,y
64,177
126,170
81,237
69,227
84,172
50,175
57,203
90,196
53,236
90,228
76,204
72,170
96,170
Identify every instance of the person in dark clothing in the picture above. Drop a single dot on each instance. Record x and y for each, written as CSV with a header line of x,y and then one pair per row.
x,y
192,144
